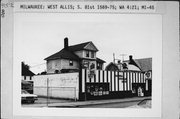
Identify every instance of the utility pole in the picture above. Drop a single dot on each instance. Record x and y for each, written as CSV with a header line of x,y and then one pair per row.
x,y
113,58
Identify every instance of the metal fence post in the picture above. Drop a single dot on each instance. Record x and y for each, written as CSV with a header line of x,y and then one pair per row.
x,y
75,93
47,91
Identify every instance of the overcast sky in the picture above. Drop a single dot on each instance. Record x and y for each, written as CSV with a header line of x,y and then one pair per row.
x,y
38,36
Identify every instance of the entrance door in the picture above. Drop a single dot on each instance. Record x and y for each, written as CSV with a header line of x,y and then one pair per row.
x,y
138,89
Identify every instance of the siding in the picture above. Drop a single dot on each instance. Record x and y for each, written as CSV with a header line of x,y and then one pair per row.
x,y
60,64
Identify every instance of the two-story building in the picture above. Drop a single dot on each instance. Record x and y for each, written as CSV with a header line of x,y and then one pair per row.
x,y
71,58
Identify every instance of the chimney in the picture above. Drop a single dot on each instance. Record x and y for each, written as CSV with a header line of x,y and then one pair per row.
x,y
66,43
119,61
130,57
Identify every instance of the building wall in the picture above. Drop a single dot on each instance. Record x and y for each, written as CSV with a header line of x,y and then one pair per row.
x,y
53,65
82,54
59,64
59,85
65,64
118,80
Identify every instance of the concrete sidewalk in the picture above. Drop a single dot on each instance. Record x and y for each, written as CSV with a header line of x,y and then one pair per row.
x,y
96,102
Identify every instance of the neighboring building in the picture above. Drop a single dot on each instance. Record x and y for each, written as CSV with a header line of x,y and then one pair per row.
x,y
112,66
26,78
26,74
144,64
70,58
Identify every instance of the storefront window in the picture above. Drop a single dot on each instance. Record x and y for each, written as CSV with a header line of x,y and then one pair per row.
x,y
97,89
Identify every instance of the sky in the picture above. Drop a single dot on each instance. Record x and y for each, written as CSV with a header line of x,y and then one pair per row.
x,y
38,36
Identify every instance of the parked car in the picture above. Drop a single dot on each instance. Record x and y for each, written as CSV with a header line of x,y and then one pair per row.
x,y
146,103
26,97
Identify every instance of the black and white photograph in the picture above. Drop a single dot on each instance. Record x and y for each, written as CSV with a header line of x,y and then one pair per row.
x,y
87,58
88,64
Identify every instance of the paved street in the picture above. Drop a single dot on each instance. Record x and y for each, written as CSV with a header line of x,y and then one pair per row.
x,y
111,105
42,102
108,103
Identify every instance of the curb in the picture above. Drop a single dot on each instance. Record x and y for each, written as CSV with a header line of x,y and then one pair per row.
x,y
97,103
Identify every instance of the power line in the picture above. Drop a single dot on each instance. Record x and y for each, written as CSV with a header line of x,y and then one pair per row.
x,y
37,65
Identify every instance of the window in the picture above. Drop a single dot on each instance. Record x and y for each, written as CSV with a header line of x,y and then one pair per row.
x,y
92,54
24,77
30,78
87,53
70,63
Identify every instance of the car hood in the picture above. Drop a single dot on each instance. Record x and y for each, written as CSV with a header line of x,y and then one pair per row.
x,y
28,95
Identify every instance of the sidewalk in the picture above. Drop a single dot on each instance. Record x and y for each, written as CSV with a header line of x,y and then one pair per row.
x,y
96,102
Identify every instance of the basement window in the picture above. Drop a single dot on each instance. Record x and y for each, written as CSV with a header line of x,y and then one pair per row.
x,y
70,63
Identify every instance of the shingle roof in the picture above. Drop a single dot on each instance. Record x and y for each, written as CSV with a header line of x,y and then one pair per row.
x,y
64,54
112,64
78,46
145,64
100,60
67,53
26,72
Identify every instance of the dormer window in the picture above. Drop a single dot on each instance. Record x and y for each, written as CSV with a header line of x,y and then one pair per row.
x,y
87,53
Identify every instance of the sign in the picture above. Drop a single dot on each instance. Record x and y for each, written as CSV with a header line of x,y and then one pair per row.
x,y
85,64
148,74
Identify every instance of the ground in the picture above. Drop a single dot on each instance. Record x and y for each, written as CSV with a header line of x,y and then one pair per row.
x,y
110,103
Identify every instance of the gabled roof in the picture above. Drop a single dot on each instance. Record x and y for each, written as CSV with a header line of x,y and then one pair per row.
x,y
63,54
81,46
68,53
112,64
145,64
26,72
132,62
